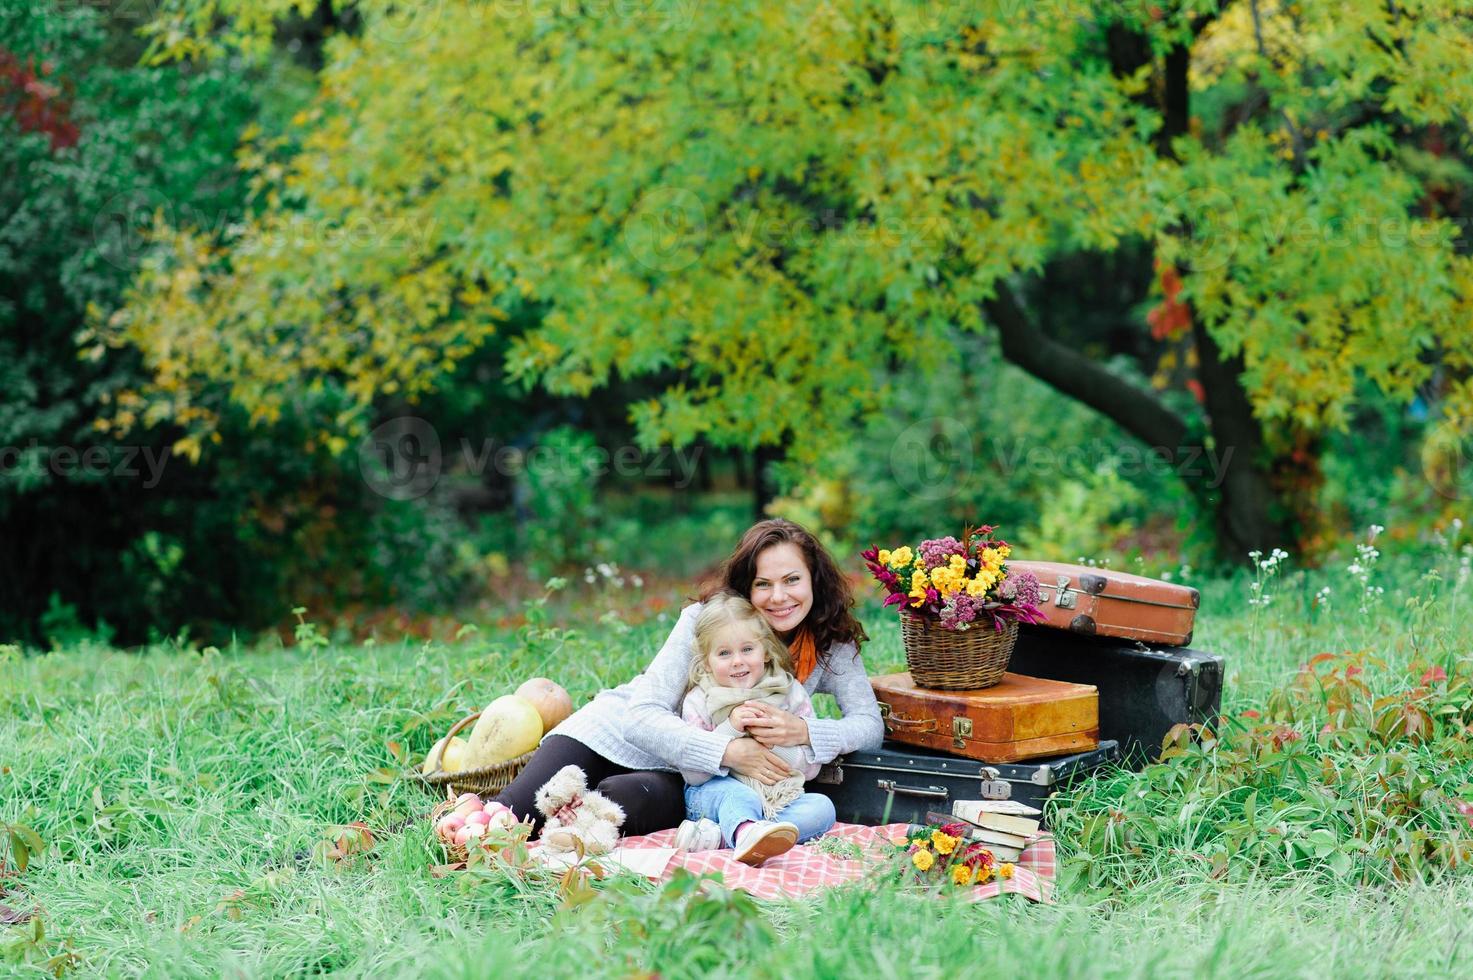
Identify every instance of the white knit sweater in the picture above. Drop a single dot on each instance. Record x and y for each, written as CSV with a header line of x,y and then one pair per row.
x,y
637,725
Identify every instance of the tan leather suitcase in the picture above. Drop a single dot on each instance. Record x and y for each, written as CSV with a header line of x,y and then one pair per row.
x,y
1098,601
1017,718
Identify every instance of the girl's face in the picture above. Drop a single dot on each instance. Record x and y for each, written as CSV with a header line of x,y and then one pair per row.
x,y
736,656
783,589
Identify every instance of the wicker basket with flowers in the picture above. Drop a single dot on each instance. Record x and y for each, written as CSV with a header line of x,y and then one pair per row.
x,y
959,606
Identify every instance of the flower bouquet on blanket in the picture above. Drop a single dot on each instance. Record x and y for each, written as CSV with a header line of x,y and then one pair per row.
x,y
708,706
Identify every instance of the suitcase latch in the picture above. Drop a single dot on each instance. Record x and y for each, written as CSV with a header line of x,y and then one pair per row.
x,y
994,787
961,730
1064,599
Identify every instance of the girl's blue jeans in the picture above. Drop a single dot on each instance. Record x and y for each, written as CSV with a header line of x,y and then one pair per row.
x,y
731,803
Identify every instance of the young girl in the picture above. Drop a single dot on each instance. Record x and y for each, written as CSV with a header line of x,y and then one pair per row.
x,y
740,662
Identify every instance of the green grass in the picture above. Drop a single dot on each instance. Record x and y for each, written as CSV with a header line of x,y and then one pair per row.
x,y
214,768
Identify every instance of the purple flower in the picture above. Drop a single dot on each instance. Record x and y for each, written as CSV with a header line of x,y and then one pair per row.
x,y
1021,589
938,552
961,611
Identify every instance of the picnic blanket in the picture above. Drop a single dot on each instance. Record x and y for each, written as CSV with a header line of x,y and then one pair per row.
x,y
804,869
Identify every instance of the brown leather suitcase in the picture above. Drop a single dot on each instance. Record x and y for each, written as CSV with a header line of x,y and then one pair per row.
x,y
1017,718
1102,602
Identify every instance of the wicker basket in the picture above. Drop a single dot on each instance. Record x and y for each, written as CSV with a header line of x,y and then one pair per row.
x,y
951,660
457,852
485,781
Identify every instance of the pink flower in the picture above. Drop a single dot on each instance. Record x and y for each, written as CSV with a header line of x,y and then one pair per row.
x,y
938,551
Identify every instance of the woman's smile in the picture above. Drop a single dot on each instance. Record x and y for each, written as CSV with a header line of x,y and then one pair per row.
x,y
782,589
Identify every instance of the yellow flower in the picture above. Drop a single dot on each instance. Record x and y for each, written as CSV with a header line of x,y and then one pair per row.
x,y
983,581
1004,870
918,587
958,564
944,843
884,557
984,875
1004,551
961,874
901,557
946,580
923,859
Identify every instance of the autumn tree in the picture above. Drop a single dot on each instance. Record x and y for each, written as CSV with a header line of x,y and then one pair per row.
x,y
772,203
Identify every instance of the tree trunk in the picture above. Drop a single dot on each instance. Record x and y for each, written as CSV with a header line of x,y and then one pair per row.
x,y
1226,473
1247,509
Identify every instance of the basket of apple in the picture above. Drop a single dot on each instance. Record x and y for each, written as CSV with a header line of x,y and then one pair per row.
x,y
503,736
461,822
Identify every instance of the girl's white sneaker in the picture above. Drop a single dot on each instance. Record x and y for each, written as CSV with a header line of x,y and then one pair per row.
x,y
764,839
698,835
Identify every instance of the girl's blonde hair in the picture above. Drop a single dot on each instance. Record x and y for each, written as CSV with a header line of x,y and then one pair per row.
x,y
723,609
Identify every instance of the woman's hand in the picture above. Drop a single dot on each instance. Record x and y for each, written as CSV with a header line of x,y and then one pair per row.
x,y
774,726
746,756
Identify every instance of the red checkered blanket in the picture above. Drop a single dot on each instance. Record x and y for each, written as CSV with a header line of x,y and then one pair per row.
x,y
804,869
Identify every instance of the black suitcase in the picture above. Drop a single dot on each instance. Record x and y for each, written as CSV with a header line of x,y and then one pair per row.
x,y
900,783
1144,690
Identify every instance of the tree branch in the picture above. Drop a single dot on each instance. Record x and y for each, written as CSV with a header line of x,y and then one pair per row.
x,y
1139,412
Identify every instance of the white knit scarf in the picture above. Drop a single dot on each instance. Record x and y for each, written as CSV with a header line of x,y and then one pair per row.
x,y
771,689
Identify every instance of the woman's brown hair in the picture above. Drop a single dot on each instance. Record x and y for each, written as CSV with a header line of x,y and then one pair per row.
x,y
830,619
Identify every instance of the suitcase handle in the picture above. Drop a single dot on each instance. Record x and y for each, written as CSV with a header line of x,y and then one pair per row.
x,y
930,792
893,721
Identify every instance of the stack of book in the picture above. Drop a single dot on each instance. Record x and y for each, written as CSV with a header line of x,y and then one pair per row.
x,y
1005,826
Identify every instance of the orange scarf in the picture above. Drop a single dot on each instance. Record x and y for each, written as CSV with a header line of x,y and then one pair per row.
x,y
805,654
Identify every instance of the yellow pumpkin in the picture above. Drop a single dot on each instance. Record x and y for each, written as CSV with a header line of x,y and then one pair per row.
x,y
510,726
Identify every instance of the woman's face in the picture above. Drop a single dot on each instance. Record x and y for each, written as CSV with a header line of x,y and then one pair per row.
x,y
783,588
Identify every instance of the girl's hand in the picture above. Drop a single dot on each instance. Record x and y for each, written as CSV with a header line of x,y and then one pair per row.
x,y
742,715
745,756
775,726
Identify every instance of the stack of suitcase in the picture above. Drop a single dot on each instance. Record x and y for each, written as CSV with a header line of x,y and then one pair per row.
x,y
1101,682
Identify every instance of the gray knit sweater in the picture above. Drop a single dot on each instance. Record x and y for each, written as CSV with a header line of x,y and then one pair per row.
x,y
637,725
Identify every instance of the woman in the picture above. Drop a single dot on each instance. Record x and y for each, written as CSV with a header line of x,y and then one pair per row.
x,y
631,741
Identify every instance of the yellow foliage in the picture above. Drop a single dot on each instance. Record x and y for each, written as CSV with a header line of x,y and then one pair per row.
x,y
773,199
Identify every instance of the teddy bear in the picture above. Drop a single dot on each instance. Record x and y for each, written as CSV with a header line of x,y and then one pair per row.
x,y
575,813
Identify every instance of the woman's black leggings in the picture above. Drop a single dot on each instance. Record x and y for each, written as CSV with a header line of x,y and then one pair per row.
x,y
651,800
